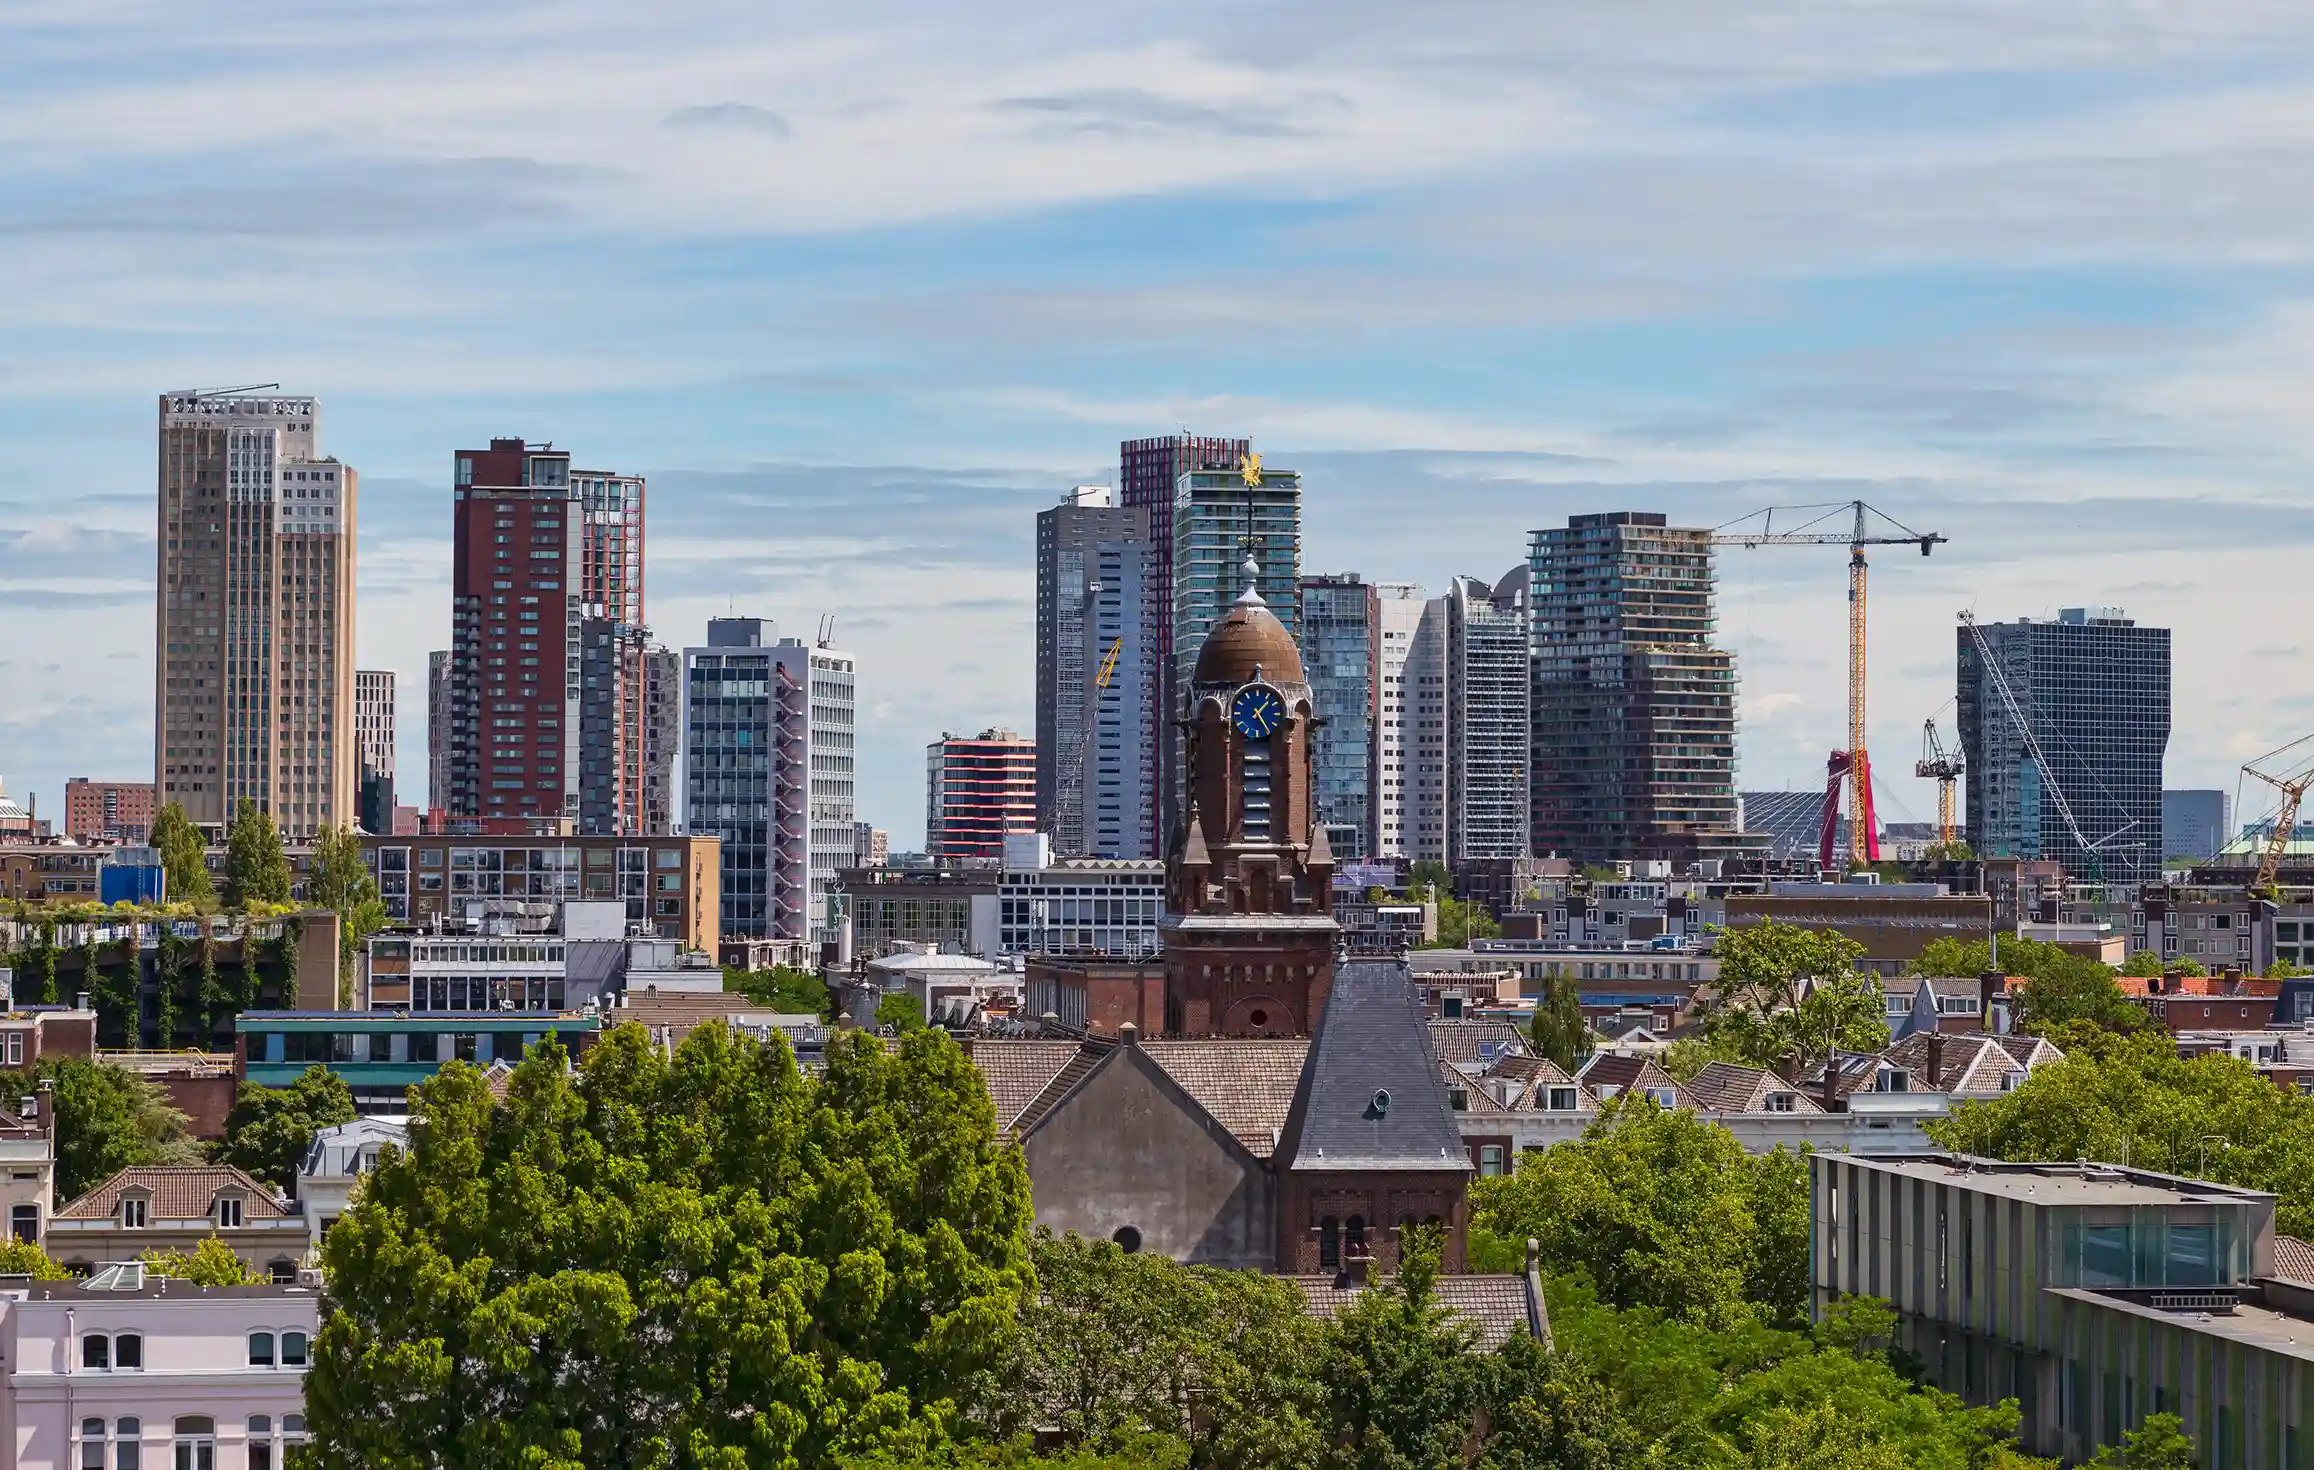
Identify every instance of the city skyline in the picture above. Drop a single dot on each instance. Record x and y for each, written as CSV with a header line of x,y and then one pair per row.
x,y
866,319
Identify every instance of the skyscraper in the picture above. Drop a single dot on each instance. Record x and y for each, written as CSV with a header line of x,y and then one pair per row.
x,y
662,736
438,729
1488,693
2094,688
1399,609
374,742
1096,748
977,788
1341,653
540,551
768,768
254,622
1634,709
2195,824
1219,520
1149,475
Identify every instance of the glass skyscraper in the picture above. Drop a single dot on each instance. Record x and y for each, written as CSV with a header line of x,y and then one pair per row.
x,y
1341,656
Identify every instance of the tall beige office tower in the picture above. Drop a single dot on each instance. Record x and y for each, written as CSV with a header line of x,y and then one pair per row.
x,y
254,655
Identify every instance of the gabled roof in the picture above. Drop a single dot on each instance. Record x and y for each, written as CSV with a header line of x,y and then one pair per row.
x,y
1610,1071
1246,1082
2293,1259
1370,1095
1476,1098
1016,1071
1725,1087
1969,1062
337,1150
178,1193
1474,1040
1495,1308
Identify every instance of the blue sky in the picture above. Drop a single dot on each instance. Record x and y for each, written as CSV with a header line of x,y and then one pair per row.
x,y
860,288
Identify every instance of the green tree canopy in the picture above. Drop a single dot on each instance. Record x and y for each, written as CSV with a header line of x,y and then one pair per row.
x,y
2159,1443
789,992
2132,1099
256,868
182,856
107,1119
900,1011
2059,985
705,1260
211,1263
23,1258
270,1129
1404,1384
1789,996
1557,1030
1659,1209
338,879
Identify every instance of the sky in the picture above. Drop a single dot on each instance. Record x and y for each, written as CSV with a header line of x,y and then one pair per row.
x,y
861,288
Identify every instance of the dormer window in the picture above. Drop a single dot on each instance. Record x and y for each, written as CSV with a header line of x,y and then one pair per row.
x,y
228,1212
133,1213
1780,1102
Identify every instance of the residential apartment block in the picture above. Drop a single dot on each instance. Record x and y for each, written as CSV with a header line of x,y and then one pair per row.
x,y
1096,745
770,772
374,748
977,790
254,626
108,811
1341,654
671,886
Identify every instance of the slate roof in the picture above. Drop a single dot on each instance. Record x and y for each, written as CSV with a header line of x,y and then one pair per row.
x,y
2293,1259
1372,1040
1246,1083
1726,1087
1495,1307
178,1192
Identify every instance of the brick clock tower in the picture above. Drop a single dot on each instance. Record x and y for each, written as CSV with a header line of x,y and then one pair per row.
x,y
1249,938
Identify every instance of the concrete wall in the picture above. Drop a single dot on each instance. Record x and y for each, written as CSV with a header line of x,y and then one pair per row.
x,y
1129,1149
316,961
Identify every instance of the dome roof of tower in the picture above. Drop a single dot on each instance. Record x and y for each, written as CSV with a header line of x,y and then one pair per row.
x,y
1250,640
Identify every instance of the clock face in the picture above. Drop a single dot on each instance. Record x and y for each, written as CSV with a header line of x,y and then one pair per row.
x,y
1257,711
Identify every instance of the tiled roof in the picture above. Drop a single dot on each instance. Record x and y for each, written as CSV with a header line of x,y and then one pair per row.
x,y
1951,984
178,1193
684,1011
2204,987
1246,1083
1476,1098
1969,1062
2293,1259
1495,1307
1016,1071
1725,1087
1622,1073
1530,1069
1468,1040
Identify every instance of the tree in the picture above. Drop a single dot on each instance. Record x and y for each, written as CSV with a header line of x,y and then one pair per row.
x,y
1461,920
1789,996
1955,851
270,1130
1121,1345
1558,1030
1431,874
338,879
211,1263
256,868
23,1258
2132,1099
2144,964
2059,985
1550,1413
183,856
2160,1443
900,1011
1404,1381
1660,1209
789,992
107,1119
707,1259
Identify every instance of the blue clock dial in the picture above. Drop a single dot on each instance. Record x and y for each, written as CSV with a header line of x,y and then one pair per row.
x,y
1257,711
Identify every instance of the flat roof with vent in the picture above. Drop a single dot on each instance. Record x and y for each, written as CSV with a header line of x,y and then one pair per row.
x,y
2053,1183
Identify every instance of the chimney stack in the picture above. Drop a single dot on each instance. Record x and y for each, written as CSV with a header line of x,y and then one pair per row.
x,y
1989,988
1936,1061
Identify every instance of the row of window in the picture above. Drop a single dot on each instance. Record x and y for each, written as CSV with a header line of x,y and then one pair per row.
x,y
194,1442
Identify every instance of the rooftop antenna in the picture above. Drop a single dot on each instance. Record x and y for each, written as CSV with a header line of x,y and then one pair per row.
x,y
227,392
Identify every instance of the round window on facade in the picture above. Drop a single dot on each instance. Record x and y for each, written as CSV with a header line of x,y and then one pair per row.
x,y
1128,1239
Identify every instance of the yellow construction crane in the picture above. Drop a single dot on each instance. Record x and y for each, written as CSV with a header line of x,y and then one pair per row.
x,y
1944,767
1863,831
2297,778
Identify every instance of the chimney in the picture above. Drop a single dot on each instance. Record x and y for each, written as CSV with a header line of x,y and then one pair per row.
x,y
1355,1268
1129,1034
1936,1061
80,1001
45,1103
1988,989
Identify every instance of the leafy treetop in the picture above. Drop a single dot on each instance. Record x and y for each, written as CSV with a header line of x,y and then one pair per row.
x,y
182,852
271,1129
256,867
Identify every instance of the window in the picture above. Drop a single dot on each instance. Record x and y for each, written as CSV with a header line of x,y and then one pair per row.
x,y
132,1212
1562,1100
260,1349
1490,1161
92,1444
128,1453
260,1442
96,1352
282,1271
1354,1233
24,1223
196,1443
128,1350
293,1343
228,1214
1329,1244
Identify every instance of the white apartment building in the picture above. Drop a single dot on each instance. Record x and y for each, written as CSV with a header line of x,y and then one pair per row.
x,y
1080,906
1399,613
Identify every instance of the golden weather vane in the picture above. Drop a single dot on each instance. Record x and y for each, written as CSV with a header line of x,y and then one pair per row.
x,y
1250,466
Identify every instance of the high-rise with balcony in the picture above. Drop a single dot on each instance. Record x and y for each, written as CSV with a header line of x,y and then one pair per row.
x,y
1634,709
546,664
1149,475
2094,687
374,743
1220,522
1341,655
769,768
1487,729
1399,641
254,616
438,729
977,788
1096,748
